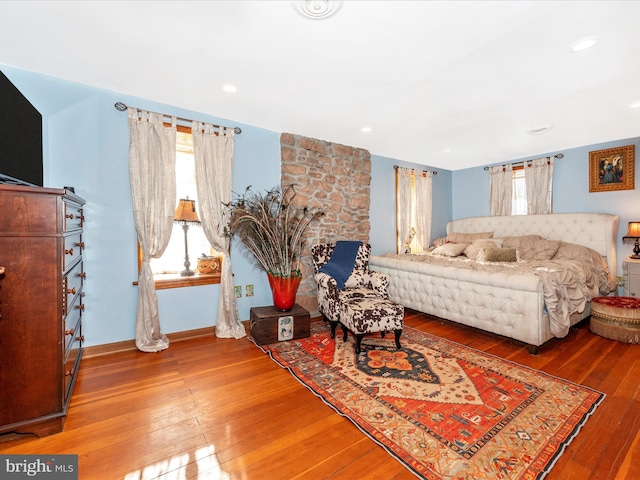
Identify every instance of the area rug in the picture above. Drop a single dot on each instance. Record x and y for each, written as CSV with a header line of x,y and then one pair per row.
x,y
444,410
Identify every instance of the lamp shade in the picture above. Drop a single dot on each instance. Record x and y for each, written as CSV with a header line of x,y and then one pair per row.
x,y
634,231
186,211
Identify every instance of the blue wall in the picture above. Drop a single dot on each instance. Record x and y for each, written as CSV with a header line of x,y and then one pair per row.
x,y
86,145
570,191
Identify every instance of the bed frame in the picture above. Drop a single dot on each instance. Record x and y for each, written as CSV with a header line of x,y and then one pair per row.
x,y
509,306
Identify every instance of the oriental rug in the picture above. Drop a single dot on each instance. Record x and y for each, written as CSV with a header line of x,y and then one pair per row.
x,y
444,410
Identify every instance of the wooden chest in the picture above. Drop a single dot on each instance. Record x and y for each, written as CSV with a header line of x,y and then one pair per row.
x,y
269,325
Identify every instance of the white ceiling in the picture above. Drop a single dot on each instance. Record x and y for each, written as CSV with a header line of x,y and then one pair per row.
x,y
473,77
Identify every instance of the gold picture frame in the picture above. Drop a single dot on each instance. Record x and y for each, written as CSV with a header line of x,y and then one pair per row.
x,y
612,169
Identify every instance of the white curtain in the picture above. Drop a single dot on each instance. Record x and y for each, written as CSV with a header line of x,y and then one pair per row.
x,y
423,188
538,177
500,189
152,173
213,149
403,207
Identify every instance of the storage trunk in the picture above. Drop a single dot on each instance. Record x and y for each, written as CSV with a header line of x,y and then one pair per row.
x,y
269,325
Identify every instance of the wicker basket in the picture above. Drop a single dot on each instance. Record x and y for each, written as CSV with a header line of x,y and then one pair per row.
x,y
208,265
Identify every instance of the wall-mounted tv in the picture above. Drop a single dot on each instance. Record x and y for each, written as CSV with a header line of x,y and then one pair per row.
x,y
20,137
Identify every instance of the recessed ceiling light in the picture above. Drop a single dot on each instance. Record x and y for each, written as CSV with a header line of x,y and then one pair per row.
x,y
230,88
635,105
540,130
366,129
583,44
317,9
446,150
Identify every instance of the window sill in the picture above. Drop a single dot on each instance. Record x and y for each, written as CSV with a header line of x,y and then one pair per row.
x,y
174,280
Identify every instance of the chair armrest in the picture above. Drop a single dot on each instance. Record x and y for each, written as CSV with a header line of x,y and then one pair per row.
x,y
379,282
328,295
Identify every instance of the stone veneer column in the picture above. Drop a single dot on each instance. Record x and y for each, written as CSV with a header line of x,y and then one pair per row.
x,y
332,178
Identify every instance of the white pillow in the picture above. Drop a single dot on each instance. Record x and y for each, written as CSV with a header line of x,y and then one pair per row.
x,y
450,249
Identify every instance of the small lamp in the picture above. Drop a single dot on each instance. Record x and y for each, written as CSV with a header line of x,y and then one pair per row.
x,y
186,215
633,234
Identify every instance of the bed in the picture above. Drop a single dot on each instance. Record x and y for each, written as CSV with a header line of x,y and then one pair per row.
x,y
529,300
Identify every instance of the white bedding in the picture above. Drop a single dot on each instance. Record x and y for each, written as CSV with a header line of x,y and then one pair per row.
x,y
512,300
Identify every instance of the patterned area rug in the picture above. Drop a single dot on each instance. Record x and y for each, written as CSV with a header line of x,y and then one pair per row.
x,y
444,410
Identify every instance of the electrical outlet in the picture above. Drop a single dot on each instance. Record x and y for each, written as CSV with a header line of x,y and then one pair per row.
x,y
621,282
238,290
248,290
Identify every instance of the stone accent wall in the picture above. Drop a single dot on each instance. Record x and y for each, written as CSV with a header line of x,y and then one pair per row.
x,y
332,178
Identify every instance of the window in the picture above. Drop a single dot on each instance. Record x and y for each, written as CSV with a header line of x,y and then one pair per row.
x,y
166,269
519,193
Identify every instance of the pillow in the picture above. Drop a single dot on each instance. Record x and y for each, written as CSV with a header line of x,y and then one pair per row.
x,y
500,255
439,241
533,247
450,249
456,237
474,250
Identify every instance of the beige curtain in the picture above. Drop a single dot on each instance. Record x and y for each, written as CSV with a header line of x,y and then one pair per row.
x,y
152,173
423,199
500,189
403,207
213,149
538,178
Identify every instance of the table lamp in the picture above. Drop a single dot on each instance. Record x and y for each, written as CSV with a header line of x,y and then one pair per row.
x,y
633,234
186,215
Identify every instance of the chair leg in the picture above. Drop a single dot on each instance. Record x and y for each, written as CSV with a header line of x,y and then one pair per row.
x,y
345,333
359,337
397,333
333,329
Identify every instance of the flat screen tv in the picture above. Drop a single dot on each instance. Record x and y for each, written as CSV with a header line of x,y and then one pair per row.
x,y
20,137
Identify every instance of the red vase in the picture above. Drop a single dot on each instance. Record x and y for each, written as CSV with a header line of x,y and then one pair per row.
x,y
284,290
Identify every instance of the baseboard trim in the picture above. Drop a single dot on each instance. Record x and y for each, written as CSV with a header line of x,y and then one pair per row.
x,y
128,345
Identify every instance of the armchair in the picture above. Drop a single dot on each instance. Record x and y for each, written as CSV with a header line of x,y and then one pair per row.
x,y
362,283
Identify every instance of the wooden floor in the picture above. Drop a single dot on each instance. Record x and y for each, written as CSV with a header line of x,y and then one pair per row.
x,y
221,409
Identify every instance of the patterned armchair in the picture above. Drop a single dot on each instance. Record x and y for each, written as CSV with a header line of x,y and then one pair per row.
x,y
363,283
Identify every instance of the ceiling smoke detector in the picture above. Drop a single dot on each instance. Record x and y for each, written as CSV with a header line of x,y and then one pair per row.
x,y
317,9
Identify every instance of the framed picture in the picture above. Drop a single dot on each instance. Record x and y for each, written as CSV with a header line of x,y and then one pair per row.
x,y
612,169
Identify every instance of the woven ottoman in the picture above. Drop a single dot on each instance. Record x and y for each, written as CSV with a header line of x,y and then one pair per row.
x,y
362,316
617,318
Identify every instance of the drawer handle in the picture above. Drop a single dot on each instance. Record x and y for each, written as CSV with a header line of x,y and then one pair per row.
x,y
72,291
80,338
82,275
81,306
80,244
69,215
69,252
70,332
68,373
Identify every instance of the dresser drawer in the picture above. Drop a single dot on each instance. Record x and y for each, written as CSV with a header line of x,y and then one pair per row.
x,y
73,217
71,364
72,286
72,322
72,246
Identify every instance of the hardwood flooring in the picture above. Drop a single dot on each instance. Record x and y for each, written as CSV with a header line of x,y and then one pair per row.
x,y
211,408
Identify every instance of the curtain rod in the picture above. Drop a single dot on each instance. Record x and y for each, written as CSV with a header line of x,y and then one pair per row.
x,y
121,107
425,171
557,155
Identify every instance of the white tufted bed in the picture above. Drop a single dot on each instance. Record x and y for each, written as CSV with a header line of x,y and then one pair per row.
x,y
508,305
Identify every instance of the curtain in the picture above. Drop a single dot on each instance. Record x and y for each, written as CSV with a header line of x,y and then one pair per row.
x,y
500,188
423,195
403,207
213,149
538,176
152,173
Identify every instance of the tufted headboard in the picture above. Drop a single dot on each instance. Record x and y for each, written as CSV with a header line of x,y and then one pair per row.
x,y
594,230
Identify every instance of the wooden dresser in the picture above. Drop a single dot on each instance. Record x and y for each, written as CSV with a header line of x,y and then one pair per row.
x,y
41,306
